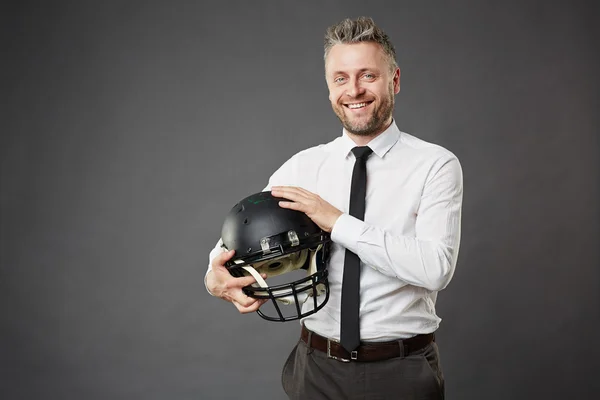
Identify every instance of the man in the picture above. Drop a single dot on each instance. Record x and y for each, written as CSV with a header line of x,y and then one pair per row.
x,y
407,242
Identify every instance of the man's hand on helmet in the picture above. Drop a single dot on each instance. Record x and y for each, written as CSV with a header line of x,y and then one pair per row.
x,y
318,210
229,288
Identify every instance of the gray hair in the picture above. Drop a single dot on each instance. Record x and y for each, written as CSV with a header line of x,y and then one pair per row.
x,y
362,29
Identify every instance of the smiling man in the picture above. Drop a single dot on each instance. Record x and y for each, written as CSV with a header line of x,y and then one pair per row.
x,y
362,82
392,203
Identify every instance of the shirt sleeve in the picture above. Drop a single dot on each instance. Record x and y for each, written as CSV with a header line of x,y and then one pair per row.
x,y
429,258
283,176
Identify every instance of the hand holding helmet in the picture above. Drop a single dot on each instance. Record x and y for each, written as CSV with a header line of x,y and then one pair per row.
x,y
318,210
222,284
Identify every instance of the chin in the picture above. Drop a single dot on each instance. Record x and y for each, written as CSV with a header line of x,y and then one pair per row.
x,y
366,128
362,130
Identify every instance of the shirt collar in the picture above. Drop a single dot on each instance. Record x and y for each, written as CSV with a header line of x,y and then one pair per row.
x,y
380,145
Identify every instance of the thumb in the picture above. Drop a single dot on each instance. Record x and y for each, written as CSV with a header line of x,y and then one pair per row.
x,y
225,256
219,261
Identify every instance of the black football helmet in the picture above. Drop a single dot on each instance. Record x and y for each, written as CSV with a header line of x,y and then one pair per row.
x,y
276,241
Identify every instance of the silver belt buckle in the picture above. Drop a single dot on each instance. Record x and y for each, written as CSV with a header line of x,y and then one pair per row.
x,y
353,354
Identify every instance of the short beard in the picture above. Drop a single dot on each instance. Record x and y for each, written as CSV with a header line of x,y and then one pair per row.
x,y
376,124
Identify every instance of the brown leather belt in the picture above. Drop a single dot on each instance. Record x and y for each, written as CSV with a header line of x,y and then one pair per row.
x,y
366,352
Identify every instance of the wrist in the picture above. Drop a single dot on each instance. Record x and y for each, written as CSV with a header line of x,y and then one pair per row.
x,y
335,218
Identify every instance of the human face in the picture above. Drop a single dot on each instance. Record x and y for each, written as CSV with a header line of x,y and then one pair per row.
x,y
361,87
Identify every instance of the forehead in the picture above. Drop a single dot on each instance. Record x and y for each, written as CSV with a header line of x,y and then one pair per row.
x,y
355,56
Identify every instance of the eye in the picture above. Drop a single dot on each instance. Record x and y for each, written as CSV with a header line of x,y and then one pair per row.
x,y
339,79
369,76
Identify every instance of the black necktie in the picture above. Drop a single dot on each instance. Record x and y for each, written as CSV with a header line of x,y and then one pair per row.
x,y
350,329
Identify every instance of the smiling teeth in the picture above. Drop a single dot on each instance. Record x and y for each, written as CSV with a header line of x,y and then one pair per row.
x,y
359,105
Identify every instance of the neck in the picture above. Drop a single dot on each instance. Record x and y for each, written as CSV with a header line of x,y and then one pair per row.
x,y
361,140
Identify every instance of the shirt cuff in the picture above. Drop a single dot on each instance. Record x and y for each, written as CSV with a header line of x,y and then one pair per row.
x,y
205,285
347,231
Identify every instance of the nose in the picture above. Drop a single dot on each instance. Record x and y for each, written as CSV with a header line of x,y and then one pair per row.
x,y
354,89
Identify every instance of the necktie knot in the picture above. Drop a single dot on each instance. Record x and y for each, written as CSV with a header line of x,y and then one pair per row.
x,y
362,152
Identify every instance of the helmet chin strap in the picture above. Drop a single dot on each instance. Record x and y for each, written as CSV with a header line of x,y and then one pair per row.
x,y
289,299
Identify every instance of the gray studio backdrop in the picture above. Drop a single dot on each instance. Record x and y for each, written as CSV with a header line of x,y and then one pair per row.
x,y
129,129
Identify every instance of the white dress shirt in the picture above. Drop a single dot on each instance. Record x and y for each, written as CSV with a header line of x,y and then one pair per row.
x,y
408,243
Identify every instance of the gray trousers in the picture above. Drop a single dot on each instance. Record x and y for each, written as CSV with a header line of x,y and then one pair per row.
x,y
309,374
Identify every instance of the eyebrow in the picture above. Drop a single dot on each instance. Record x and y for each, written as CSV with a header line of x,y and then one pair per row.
x,y
359,71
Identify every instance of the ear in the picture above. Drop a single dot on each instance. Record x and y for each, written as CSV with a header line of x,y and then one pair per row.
x,y
396,80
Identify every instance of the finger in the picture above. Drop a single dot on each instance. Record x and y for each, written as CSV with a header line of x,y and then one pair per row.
x,y
240,298
246,307
240,282
222,258
238,295
292,205
305,192
245,301
283,187
290,194
294,189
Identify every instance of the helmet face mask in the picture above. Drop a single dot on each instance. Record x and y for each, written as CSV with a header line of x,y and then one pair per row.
x,y
279,243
